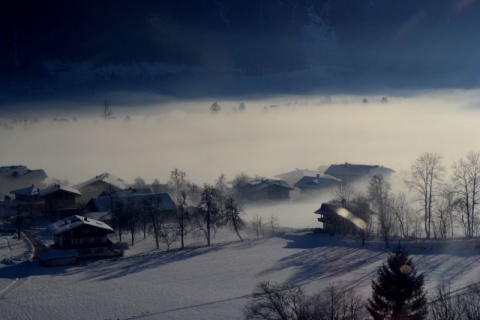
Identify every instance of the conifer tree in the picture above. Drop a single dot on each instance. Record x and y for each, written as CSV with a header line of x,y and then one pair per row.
x,y
398,291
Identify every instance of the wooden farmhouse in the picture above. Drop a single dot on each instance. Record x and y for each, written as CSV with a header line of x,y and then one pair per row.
x,y
267,189
88,236
348,172
29,195
12,177
337,218
100,183
314,185
60,201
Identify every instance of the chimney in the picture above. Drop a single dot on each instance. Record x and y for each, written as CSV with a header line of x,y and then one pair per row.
x,y
318,177
7,200
85,218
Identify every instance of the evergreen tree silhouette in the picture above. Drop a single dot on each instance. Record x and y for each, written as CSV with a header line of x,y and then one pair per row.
x,y
398,291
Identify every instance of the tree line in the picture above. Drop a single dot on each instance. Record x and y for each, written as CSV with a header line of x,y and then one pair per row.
x,y
431,204
202,210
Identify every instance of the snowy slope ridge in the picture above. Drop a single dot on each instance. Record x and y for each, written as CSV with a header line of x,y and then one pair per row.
x,y
210,282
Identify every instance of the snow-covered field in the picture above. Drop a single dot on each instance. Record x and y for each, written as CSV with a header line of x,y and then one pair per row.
x,y
206,282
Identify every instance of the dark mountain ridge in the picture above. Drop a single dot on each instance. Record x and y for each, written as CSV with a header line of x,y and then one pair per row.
x,y
430,39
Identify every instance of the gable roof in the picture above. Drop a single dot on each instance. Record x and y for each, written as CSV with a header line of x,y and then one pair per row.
x,y
260,184
56,188
22,172
28,191
100,216
294,176
105,177
73,222
348,169
319,181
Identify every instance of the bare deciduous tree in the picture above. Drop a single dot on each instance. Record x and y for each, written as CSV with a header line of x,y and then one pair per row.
x,y
273,301
194,192
444,306
379,194
107,112
466,179
182,217
208,202
447,205
156,186
233,215
258,226
139,183
460,305
337,304
168,234
132,216
152,207
177,181
239,185
273,223
425,180
400,207
178,188
119,218
344,193
215,107
290,302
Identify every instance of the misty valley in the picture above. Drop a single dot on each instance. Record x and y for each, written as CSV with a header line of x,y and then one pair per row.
x,y
252,188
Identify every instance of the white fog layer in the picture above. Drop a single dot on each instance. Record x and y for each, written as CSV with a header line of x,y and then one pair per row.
x,y
271,136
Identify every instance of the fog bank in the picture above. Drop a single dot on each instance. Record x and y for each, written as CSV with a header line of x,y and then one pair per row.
x,y
273,135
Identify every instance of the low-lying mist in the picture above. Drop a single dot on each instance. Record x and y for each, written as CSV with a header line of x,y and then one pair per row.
x,y
273,135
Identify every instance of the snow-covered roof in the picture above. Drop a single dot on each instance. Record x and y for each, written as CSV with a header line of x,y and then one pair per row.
x,y
100,216
56,187
292,177
73,222
316,182
28,191
106,178
296,174
129,191
260,184
22,172
356,169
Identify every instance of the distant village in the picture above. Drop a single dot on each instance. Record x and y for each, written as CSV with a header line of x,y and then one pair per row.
x,y
84,216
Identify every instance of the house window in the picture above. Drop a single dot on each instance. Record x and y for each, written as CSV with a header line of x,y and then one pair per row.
x,y
99,250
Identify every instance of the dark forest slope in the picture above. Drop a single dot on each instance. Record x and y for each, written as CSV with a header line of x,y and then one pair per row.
x,y
432,38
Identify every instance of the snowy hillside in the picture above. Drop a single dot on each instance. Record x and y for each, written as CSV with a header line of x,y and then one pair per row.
x,y
205,283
